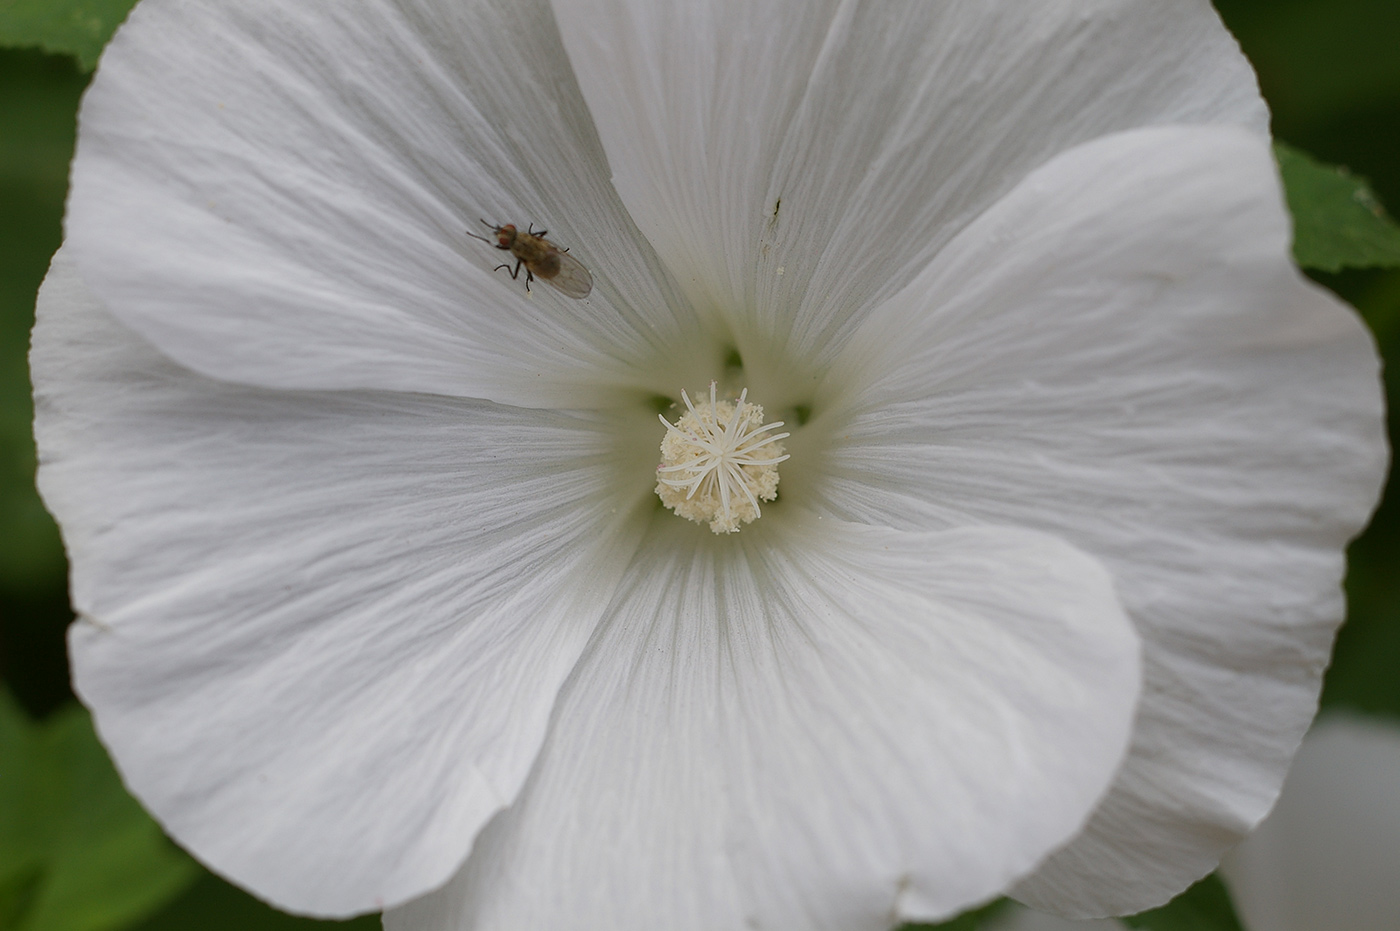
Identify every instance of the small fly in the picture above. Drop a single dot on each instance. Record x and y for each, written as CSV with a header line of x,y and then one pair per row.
x,y
541,259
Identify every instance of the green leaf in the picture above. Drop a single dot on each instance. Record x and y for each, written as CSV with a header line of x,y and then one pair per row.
x,y
974,920
77,853
70,27
1338,221
1205,906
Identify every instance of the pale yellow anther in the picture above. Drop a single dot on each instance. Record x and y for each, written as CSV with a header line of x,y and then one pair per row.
x,y
718,461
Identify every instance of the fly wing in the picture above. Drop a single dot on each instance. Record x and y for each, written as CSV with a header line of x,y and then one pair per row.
x,y
573,279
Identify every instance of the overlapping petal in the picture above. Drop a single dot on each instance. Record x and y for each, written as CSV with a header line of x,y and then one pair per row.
x,y
873,726
796,162
321,632
280,194
1121,353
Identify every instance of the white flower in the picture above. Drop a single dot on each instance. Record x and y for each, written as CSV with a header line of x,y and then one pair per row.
x,y
377,602
1328,856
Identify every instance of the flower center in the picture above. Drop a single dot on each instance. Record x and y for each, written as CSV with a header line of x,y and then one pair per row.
x,y
718,461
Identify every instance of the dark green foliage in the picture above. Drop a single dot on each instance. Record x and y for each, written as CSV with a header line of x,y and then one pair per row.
x,y
1204,907
213,905
38,96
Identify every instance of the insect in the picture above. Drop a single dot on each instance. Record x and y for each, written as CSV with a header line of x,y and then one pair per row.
x,y
541,259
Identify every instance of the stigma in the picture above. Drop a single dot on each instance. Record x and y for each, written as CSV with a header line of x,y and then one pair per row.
x,y
718,461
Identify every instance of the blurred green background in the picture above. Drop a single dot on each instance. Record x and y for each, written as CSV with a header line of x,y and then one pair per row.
x,y
76,854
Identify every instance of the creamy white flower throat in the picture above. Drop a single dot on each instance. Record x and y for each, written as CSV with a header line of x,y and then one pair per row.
x,y
718,461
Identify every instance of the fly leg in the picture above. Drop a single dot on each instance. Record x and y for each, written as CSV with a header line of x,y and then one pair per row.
x,y
515,272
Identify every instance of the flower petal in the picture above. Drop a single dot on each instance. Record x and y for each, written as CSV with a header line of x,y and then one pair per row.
x,y
280,194
835,727
321,633
816,153
1328,856
1121,353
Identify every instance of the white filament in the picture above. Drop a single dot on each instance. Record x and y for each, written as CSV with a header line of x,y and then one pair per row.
x,y
718,461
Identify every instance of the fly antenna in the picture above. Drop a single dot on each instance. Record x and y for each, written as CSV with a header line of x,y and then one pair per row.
x,y
492,227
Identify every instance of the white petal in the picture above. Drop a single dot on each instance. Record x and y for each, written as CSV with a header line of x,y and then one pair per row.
x,y
1121,353
815,154
280,194
834,727
1328,857
321,633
